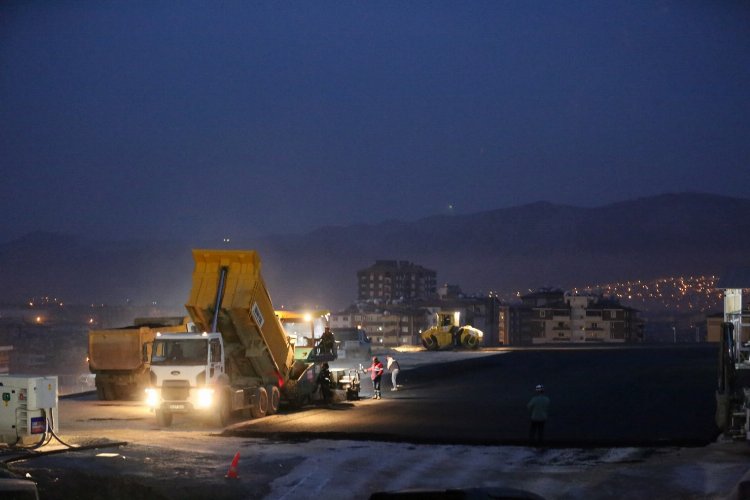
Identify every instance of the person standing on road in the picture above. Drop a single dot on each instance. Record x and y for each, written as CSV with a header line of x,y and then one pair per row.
x,y
325,381
376,372
394,368
538,408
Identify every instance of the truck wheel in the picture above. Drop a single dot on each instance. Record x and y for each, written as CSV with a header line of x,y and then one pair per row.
x,y
124,392
223,414
274,397
260,405
99,390
105,390
109,391
163,418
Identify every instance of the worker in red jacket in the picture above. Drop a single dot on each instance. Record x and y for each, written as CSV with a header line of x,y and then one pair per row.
x,y
376,373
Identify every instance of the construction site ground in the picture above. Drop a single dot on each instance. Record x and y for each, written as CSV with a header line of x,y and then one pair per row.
x,y
627,423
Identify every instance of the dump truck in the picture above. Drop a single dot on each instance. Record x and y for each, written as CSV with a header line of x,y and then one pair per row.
x,y
239,359
120,357
447,334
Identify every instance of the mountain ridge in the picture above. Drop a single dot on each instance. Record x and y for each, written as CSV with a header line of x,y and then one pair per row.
x,y
504,250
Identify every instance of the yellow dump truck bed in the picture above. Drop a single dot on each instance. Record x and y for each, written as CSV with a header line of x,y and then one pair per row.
x,y
252,334
122,348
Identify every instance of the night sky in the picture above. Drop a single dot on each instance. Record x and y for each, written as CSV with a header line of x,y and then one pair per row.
x,y
166,119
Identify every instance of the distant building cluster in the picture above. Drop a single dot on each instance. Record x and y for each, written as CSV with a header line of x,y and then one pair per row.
x,y
681,294
398,300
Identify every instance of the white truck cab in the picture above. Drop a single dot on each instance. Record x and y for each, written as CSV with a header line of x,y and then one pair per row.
x,y
187,371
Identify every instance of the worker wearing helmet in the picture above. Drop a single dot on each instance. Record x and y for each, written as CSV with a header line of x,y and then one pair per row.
x,y
538,407
376,373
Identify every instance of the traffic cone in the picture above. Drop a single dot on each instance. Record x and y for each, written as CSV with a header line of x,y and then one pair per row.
x,y
232,472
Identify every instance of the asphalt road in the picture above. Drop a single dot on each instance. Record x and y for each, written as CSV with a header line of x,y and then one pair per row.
x,y
625,422
655,396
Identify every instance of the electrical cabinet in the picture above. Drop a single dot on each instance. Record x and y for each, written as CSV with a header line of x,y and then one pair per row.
x,y
28,407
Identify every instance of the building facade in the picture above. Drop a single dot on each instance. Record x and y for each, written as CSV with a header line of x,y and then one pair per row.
x,y
557,317
395,280
389,326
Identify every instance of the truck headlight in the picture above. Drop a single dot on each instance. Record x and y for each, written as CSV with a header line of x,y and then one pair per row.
x,y
152,398
205,397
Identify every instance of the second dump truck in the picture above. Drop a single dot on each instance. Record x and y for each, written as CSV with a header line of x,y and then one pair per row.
x,y
120,357
238,359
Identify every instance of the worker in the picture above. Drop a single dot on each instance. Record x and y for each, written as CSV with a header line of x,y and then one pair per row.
x,y
538,407
325,381
393,367
376,372
327,342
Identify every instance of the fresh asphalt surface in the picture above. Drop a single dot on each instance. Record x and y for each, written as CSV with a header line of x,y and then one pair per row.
x,y
652,401
627,396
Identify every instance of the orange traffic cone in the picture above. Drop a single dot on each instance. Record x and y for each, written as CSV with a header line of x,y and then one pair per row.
x,y
232,472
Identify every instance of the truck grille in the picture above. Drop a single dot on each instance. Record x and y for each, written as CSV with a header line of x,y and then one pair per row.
x,y
177,390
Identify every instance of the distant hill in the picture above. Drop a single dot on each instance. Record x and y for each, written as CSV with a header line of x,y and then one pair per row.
x,y
504,250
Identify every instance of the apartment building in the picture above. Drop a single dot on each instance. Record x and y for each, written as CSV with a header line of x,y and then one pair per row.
x,y
395,280
557,317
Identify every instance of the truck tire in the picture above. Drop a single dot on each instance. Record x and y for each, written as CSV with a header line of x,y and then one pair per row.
x,y
163,418
260,405
108,389
125,392
274,397
105,390
99,390
223,413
